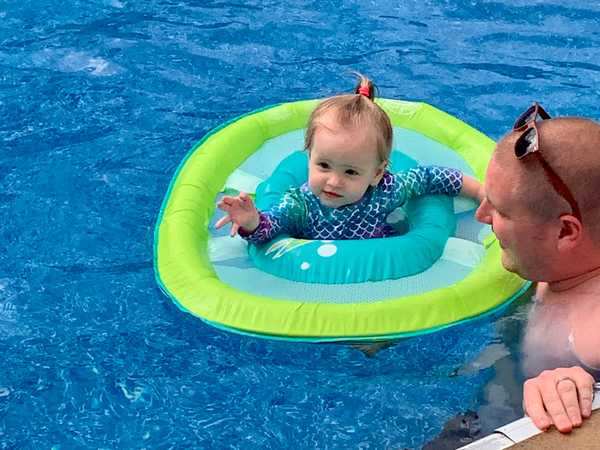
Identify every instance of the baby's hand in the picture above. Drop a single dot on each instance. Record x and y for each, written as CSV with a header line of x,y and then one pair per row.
x,y
472,188
241,212
481,193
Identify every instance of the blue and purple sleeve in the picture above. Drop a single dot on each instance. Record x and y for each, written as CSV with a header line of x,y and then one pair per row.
x,y
288,216
425,180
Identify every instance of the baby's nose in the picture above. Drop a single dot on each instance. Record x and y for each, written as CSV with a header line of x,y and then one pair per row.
x,y
335,180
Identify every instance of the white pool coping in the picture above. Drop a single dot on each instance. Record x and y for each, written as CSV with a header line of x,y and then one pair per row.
x,y
517,431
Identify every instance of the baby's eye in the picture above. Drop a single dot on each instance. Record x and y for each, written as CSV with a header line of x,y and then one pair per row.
x,y
323,165
351,172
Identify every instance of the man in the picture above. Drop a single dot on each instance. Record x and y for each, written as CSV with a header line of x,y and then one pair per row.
x,y
542,199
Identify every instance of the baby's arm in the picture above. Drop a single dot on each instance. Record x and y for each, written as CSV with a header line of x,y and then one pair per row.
x,y
425,180
472,188
241,212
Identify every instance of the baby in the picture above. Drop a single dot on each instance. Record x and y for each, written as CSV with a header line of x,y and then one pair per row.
x,y
349,193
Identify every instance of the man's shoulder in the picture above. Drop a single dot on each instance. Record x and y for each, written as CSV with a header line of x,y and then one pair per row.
x,y
585,338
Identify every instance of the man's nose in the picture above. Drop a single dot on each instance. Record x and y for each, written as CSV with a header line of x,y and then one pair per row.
x,y
483,213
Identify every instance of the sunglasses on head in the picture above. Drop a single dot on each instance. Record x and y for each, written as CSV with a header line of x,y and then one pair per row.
x,y
529,143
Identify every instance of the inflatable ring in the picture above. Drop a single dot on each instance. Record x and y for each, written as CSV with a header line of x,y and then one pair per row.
x,y
210,275
429,222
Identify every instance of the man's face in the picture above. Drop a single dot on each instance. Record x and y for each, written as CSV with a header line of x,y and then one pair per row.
x,y
525,241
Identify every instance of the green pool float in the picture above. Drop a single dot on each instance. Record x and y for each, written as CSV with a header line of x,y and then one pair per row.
x,y
323,291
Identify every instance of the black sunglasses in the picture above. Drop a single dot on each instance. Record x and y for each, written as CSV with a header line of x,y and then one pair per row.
x,y
529,143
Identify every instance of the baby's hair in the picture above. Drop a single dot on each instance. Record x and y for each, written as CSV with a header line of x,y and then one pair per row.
x,y
355,110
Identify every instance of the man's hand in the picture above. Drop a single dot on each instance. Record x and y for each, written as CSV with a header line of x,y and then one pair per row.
x,y
561,397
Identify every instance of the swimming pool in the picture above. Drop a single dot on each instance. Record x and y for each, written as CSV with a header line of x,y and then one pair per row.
x,y
100,100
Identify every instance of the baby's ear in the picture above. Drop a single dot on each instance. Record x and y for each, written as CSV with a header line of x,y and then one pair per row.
x,y
380,171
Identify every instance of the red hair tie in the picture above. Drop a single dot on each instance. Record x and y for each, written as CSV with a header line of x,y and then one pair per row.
x,y
364,90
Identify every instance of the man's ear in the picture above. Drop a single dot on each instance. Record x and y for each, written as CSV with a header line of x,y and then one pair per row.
x,y
379,173
570,233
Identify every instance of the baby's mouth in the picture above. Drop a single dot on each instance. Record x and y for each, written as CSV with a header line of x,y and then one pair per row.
x,y
332,194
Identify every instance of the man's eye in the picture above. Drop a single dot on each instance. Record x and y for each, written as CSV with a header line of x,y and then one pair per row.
x,y
351,172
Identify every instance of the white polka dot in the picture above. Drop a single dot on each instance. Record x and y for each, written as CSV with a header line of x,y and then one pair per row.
x,y
327,250
305,266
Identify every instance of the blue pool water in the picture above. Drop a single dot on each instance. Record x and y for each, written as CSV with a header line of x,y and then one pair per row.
x,y
99,102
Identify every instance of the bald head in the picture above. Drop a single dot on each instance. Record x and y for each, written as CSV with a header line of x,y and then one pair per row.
x,y
571,147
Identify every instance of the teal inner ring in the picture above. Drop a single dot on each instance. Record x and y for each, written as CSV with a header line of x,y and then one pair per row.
x,y
430,219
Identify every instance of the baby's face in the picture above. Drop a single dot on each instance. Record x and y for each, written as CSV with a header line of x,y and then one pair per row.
x,y
343,163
